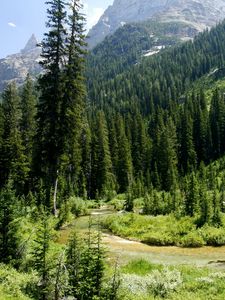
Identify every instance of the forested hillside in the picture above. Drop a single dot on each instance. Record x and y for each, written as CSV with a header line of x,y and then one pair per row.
x,y
145,134
144,127
130,43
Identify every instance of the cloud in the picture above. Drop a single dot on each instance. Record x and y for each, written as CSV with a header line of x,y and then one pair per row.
x,y
12,24
92,14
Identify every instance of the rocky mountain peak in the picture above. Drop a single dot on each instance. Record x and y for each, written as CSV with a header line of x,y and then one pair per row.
x,y
15,67
197,13
30,45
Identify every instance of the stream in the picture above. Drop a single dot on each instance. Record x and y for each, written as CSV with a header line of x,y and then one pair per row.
x,y
124,250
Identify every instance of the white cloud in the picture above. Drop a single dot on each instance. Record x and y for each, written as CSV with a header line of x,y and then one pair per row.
x,y
92,14
12,24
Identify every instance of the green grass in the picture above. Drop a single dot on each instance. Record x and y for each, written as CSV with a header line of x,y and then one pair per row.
x,y
140,267
194,283
164,230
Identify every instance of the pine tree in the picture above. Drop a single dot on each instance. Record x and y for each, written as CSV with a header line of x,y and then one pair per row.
x,y
9,238
216,214
47,155
103,179
61,111
124,166
188,157
85,266
206,212
167,155
72,115
192,196
13,160
28,122
73,263
217,123
41,261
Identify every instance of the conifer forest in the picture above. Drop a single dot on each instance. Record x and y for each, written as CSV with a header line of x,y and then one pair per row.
x,y
111,129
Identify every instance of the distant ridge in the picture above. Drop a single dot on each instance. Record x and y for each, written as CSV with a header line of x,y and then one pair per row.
x,y
199,13
15,67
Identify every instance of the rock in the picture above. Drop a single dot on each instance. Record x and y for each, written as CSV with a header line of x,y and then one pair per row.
x,y
199,13
16,67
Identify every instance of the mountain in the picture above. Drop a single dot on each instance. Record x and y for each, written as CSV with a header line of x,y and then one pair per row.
x,y
15,67
159,78
132,43
199,14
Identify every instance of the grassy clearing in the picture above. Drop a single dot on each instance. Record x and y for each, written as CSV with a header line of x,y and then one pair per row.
x,y
145,281
164,230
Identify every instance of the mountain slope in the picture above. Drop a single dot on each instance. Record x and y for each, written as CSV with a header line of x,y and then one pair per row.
x,y
163,77
16,67
198,13
132,42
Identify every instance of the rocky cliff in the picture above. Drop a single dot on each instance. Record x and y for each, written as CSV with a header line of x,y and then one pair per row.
x,y
16,67
199,13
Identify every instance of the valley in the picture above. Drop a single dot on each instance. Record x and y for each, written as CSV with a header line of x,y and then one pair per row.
x,y
127,250
112,155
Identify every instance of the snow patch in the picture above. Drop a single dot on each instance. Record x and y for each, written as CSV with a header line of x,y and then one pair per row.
x,y
154,50
150,53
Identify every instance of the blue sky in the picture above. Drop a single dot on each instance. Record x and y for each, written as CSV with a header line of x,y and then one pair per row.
x,y
20,18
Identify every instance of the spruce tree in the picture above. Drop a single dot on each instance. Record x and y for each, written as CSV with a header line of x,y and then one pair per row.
x,y
28,122
46,160
9,237
73,120
61,105
167,155
41,260
192,196
124,166
103,179
13,161
73,264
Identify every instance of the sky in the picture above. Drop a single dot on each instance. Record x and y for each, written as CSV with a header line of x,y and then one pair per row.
x,y
19,19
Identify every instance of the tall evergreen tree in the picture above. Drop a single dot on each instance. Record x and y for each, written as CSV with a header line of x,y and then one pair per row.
x,y
103,180
9,238
41,260
61,106
72,114
13,160
28,124
167,156
51,93
124,169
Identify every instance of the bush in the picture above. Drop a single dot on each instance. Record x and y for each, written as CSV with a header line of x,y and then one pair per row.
x,y
158,239
161,283
118,203
158,283
213,236
77,206
192,239
15,285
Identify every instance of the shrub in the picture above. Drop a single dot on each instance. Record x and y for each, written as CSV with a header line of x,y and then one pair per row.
x,y
192,239
77,206
158,239
213,236
161,283
15,285
135,284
